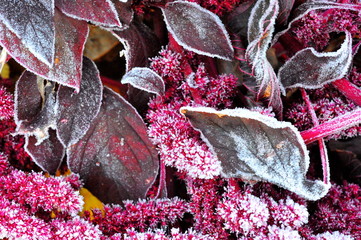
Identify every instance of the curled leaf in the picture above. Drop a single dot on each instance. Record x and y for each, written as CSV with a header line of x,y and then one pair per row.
x,y
35,106
252,146
115,158
260,29
197,29
77,110
145,79
140,43
311,69
33,22
48,154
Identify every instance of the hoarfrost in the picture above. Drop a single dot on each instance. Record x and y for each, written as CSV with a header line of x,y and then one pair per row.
x,y
145,79
115,158
311,69
197,29
252,146
33,22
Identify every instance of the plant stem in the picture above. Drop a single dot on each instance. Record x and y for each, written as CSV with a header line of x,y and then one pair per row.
x,y
348,89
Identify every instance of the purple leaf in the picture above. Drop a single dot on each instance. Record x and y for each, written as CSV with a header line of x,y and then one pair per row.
x,y
197,29
115,158
70,39
35,106
33,22
311,69
48,154
140,43
260,29
125,12
145,79
252,146
77,110
286,7
101,12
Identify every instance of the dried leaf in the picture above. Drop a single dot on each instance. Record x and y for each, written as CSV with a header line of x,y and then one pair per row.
x,y
35,106
70,39
197,29
101,12
77,110
48,154
311,69
252,146
115,158
145,79
140,43
260,29
33,22
99,43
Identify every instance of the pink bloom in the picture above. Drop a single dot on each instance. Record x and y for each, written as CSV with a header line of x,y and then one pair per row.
x,y
6,104
75,229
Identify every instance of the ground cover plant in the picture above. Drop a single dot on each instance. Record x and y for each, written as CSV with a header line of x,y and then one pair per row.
x,y
235,119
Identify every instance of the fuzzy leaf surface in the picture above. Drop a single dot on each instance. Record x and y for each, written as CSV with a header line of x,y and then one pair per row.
x,y
101,12
145,79
77,110
70,37
140,43
48,154
35,106
312,69
252,146
115,158
260,29
197,29
33,22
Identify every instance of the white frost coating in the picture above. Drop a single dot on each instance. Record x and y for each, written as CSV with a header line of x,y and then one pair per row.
x,y
311,69
93,15
194,9
309,6
38,38
145,79
282,160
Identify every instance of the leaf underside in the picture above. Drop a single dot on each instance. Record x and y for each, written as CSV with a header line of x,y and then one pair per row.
x,y
115,158
252,146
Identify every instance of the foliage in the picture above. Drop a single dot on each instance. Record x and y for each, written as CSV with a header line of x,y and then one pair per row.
x,y
218,127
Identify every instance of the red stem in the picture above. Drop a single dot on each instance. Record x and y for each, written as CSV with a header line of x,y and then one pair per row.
x,y
332,126
349,90
321,142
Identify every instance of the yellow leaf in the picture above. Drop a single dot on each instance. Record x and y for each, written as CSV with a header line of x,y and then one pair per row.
x,y
90,202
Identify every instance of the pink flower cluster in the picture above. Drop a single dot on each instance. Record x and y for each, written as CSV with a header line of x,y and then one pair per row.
x,y
6,104
314,29
143,215
26,201
179,144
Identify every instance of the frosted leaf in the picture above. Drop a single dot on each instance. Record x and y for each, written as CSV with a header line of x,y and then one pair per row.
x,y
49,154
35,106
70,39
145,79
197,29
77,110
309,6
125,12
140,43
286,6
253,146
33,22
101,12
312,69
115,158
260,29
